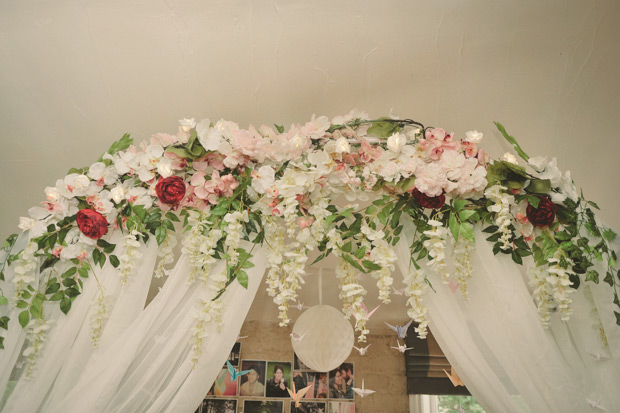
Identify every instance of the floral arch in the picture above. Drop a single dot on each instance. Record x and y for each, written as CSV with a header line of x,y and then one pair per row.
x,y
262,198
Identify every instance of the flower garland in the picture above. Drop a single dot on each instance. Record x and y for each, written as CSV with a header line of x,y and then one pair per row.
x,y
228,187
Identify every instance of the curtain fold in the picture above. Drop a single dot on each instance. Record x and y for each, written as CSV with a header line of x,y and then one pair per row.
x,y
149,367
144,358
498,346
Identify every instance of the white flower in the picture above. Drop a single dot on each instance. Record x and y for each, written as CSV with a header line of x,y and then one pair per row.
x,y
264,179
473,136
187,124
164,167
117,194
396,142
508,157
99,170
210,138
538,163
25,223
342,145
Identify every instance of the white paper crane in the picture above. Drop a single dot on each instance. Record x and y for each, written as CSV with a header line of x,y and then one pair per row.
x,y
401,348
300,306
400,330
362,392
298,337
596,404
598,356
362,350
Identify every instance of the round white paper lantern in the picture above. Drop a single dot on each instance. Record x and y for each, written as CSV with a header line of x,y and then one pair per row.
x,y
327,338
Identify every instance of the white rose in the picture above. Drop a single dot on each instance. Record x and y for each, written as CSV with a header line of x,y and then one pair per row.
x,y
396,142
342,145
117,194
539,163
473,136
508,157
187,124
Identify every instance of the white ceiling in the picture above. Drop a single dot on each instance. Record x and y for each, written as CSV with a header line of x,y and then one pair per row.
x,y
76,75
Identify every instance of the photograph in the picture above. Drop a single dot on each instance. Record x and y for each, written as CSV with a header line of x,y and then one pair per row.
x,y
341,382
320,386
223,385
263,406
235,355
303,379
341,407
253,383
218,406
298,364
278,378
309,407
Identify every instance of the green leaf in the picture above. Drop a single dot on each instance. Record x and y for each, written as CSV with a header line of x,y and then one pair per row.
x,y
58,295
114,261
465,214
592,275
459,204
360,252
371,265
52,288
242,277
617,317
3,300
454,226
512,141
383,129
279,128
539,186
384,214
594,205
4,322
120,145
490,230
83,272
172,217
24,318
347,247
65,305
160,234
70,272
1,343
349,258
467,231
609,279
533,200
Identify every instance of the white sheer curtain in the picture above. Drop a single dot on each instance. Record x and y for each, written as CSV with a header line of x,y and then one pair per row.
x,y
497,344
143,362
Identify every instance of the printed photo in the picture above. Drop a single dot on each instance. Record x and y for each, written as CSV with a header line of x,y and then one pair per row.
x,y
341,407
218,406
253,383
278,379
223,385
298,364
235,355
303,379
320,386
263,406
309,407
341,382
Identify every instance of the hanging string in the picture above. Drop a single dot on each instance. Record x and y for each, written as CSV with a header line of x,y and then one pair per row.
x,y
321,286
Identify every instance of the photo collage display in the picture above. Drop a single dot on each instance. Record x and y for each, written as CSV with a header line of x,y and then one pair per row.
x,y
263,389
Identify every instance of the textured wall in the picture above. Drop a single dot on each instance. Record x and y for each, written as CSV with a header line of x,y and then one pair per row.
x,y
383,368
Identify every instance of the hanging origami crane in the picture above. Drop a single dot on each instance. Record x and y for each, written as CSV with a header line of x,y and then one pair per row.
x,y
400,330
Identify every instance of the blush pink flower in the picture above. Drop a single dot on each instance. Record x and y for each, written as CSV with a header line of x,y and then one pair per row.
x,y
305,222
369,153
470,149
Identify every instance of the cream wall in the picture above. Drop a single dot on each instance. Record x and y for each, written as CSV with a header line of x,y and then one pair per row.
x,y
76,75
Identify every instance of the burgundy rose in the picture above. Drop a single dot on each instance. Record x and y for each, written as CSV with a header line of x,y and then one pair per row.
x,y
544,215
170,190
92,223
425,201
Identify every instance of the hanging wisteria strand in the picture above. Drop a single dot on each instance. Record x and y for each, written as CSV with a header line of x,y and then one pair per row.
x,y
228,188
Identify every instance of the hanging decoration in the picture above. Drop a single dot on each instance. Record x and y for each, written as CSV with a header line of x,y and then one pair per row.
x,y
221,185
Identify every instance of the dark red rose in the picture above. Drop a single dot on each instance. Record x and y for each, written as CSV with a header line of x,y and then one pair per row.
x,y
544,215
170,190
92,223
425,201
